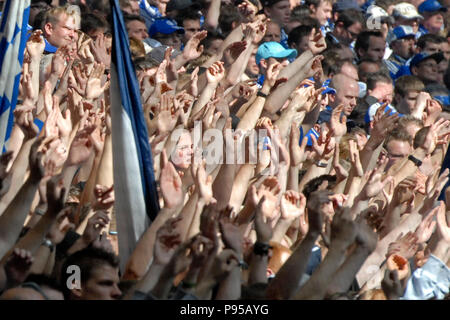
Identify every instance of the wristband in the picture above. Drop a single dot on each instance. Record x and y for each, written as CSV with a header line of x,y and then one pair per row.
x,y
261,249
49,244
416,161
260,94
321,164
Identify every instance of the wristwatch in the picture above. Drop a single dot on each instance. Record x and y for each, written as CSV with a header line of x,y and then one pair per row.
x,y
260,94
49,244
416,161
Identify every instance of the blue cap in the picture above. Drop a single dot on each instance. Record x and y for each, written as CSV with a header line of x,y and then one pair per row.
x,y
342,5
400,32
431,6
418,58
164,26
273,50
328,89
445,100
374,108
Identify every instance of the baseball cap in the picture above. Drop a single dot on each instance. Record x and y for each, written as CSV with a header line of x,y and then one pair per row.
x,y
376,12
400,32
431,6
328,89
406,10
157,54
164,26
342,5
418,58
371,112
273,50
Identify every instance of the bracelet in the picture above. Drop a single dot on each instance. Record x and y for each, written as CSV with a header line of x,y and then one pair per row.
x,y
260,94
39,211
188,285
416,161
321,164
261,249
49,244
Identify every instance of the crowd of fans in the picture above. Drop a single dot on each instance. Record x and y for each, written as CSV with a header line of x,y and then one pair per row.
x,y
340,191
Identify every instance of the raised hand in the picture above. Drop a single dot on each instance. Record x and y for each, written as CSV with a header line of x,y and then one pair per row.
x,y
37,169
167,241
203,182
81,147
443,226
94,227
100,51
36,45
215,73
170,183
55,195
297,153
270,188
263,225
167,117
58,63
405,246
60,226
233,51
426,227
338,126
94,88
25,121
17,266
343,229
317,43
231,234
193,49
104,198
292,205
374,184
273,72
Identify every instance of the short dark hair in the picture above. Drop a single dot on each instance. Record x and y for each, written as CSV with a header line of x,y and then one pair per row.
x,y
228,15
132,17
44,281
297,34
87,260
349,17
91,22
314,184
407,83
187,14
316,3
300,12
363,40
429,37
377,77
399,134
420,136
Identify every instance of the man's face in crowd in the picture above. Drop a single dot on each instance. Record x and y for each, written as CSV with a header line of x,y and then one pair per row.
x,y
273,33
102,285
323,12
303,45
280,12
404,48
433,22
134,4
445,48
431,47
347,96
375,52
427,71
414,23
62,33
347,35
252,69
190,28
382,92
137,30
366,68
171,40
407,103
214,46
397,150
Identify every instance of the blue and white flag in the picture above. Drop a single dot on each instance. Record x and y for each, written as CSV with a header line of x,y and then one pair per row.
x,y
13,38
136,200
